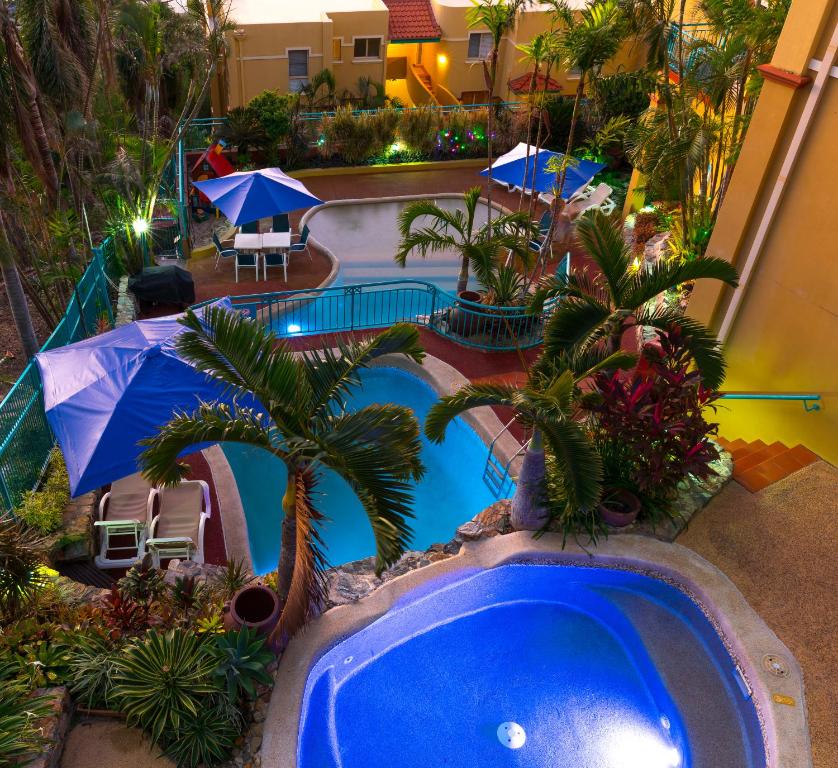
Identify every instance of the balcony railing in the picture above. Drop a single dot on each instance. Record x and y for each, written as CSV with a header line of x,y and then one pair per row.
x,y
689,37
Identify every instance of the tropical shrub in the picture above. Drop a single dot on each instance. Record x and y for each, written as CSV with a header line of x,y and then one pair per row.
x,y
122,615
418,128
622,94
242,661
163,680
187,595
231,579
143,584
272,112
384,123
646,226
21,552
206,738
44,663
352,136
243,129
654,419
44,509
93,662
20,736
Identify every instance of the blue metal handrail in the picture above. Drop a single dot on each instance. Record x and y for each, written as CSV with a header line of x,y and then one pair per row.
x,y
366,306
811,402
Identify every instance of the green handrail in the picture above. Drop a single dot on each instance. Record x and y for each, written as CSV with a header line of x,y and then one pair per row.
x,y
811,401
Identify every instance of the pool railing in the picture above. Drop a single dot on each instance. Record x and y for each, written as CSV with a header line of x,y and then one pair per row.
x,y
368,306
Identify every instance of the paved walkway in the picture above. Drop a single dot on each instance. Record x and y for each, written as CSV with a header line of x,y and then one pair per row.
x,y
110,744
780,547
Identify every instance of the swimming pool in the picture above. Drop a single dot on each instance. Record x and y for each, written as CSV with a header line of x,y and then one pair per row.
x,y
535,665
364,236
451,492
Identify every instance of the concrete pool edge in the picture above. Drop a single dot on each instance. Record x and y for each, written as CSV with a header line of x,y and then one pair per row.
x,y
779,701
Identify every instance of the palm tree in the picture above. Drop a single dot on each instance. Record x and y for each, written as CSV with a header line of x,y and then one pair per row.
x,y
499,18
545,407
300,415
535,52
586,44
596,311
17,299
459,231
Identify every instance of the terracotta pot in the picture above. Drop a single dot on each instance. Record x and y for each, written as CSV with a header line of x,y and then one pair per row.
x,y
254,606
619,508
470,296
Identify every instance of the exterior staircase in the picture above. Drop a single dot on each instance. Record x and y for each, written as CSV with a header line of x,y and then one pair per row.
x,y
421,74
756,465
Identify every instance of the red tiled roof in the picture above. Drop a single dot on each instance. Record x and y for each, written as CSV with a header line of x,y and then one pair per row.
x,y
521,85
412,20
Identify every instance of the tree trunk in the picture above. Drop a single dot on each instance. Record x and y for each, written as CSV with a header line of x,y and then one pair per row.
x,y
529,508
18,305
462,278
288,545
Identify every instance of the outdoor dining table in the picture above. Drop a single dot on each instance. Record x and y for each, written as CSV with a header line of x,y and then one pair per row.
x,y
261,242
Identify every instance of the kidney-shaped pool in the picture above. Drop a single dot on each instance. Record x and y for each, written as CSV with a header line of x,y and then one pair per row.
x,y
533,665
451,492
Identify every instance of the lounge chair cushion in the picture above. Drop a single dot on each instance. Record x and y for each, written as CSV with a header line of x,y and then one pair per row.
x,y
128,499
180,512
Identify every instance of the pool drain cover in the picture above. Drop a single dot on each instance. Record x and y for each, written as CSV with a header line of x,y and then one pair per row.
x,y
776,665
511,735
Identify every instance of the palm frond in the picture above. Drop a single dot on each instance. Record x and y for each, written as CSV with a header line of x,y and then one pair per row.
x,y
663,276
249,359
575,324
701,342
307,592
577,460
209,423
603,240
331,374
378,452
448,407
423,241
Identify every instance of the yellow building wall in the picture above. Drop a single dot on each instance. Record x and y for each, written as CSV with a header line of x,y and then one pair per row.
x,y
783,339
258,53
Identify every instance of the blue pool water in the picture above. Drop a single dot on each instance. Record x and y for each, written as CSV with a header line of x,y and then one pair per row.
x,y
530,665
451,492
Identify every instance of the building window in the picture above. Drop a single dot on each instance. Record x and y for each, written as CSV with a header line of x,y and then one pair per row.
x,y
297,69
479,45
337,48
574,73
367,48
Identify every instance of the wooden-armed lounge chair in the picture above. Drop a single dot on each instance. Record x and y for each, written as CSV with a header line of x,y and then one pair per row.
x,y
178,528
124,518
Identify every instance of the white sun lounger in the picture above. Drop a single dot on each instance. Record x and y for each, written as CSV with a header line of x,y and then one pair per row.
x,y
124,517
178,528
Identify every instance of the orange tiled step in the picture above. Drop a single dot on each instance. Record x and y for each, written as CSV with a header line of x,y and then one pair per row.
x,y
757,465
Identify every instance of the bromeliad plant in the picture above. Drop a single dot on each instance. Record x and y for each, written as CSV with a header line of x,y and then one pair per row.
x,y
652,423
597,310
242,659
295,407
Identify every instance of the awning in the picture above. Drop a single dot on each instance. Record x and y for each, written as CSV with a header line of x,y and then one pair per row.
x,y
521,85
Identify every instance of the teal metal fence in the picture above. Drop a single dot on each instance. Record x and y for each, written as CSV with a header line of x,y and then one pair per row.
x,y
25,436
378,305
691,37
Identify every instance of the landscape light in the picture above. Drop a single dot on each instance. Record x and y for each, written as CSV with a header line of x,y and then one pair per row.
x,y
140,226
294,328
441,59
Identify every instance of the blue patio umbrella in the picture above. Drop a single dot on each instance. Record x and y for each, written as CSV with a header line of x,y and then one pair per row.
x,y
251,195
516,169
104,394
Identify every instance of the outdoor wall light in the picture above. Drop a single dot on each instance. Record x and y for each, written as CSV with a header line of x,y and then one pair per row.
x,y
140,226
441,59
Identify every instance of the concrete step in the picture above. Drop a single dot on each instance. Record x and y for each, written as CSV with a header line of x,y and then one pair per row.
x,y
756,465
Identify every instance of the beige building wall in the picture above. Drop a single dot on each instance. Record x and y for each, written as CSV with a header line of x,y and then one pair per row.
x,y
783,337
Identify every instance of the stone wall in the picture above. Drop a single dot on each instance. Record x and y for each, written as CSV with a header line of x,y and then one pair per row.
x,y
54,726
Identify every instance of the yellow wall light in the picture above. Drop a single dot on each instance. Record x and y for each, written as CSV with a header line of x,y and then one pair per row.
x,y
441,59
140,226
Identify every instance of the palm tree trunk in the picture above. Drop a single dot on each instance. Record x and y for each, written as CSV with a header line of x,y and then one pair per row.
x,y
288,545
531,93
529,508
462,278
18,306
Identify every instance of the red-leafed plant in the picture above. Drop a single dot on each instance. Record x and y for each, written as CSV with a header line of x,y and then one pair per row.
x,y
122,615
650,425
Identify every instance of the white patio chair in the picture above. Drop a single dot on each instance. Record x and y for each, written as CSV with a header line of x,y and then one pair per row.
x,y
178,528
124,519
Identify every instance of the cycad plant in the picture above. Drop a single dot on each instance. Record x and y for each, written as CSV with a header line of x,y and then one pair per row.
x,y
428,228
596,310
21,554
546,407
295,407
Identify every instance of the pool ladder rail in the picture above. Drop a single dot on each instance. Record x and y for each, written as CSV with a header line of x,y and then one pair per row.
x,y
496,472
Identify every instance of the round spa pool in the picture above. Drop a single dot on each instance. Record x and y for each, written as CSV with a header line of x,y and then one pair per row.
x,y
534,665
451,492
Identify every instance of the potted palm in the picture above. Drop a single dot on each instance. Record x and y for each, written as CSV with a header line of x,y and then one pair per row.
x,y
299,416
